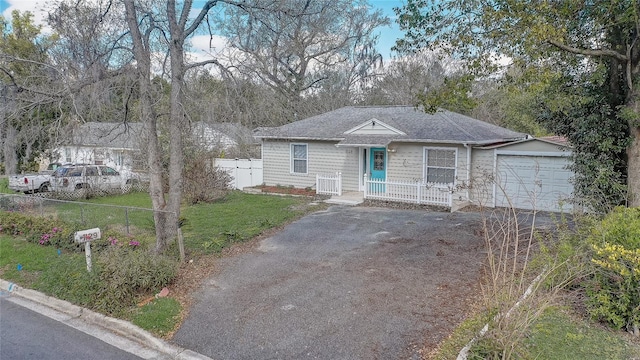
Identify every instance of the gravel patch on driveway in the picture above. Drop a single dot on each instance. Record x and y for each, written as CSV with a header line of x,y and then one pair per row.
x,y
345,283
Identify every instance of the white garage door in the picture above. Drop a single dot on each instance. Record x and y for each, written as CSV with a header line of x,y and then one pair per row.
x,y
534,182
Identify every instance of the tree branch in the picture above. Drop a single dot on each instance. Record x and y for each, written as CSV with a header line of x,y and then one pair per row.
x,y
196,22
589,52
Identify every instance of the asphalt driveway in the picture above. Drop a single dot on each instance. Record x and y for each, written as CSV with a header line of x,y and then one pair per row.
x,y
346,283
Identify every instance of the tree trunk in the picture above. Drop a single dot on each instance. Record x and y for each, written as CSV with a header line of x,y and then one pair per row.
x,y
9,150
142,55
633,167
177,116
633,151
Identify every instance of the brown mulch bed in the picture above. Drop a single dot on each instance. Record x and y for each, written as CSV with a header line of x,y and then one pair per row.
x,y
287,190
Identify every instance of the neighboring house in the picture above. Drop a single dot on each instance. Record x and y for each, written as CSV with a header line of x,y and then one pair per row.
x,y
407,153
227,138
116,145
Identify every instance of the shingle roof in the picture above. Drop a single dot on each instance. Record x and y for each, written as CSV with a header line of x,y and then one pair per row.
x,y
441,127
110,135
238,133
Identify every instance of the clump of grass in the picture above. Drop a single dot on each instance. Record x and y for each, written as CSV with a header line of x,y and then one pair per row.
x,y
33,260
160,316
558,335
4,186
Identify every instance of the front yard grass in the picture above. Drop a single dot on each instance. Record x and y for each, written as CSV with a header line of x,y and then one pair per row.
x,y
4,186
237,217
208,227
22,262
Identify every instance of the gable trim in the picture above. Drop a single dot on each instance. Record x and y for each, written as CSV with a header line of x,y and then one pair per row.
x,y
520,141
533,153
375,122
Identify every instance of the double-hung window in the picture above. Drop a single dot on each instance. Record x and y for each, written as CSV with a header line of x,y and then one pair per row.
x,y
299,158
440,165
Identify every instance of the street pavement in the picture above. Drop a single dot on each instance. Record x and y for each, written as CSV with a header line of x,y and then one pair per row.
x,y
26,334
36,326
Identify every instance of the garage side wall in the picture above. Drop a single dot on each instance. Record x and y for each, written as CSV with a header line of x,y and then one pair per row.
x,y
322,158
482,177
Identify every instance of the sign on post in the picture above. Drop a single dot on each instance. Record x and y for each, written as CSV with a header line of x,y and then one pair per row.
x,y
86,237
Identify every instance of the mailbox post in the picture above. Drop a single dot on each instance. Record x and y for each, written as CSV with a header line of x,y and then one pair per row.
x,y
86,237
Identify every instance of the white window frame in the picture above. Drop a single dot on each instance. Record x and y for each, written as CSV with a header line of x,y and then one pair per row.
x,y
119,155
425,158
291,158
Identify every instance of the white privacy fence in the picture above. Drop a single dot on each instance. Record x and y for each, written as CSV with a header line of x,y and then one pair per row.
x,y
244,172
329,184
417,192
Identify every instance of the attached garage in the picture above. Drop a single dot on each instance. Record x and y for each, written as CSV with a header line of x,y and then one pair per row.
x,y
530,174
533,182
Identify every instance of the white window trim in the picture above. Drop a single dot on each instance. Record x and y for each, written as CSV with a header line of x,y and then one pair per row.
x,y
291,159
424,161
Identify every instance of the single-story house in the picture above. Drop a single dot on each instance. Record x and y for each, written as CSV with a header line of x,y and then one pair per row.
x,y
401,153
117,145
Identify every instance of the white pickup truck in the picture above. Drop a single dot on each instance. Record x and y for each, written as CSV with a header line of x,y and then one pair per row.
x,y
33,183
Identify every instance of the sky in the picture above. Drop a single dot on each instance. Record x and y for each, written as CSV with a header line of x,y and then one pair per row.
x,y
388,35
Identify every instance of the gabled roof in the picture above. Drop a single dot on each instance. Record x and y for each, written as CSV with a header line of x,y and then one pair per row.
x,y
110,135
399,123
213,132
559,141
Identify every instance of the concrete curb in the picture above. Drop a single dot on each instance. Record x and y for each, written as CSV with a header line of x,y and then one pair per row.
x,y
117,326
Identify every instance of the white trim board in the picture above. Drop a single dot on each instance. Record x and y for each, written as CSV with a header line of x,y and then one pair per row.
x,y
532,153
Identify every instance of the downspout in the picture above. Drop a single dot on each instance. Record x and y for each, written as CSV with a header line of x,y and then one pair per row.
x,y
468,170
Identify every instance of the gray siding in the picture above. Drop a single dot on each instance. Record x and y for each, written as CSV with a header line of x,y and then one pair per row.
x,y
407,163
322,158
482,177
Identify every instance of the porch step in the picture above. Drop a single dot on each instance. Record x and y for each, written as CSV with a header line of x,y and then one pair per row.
x,y
350,198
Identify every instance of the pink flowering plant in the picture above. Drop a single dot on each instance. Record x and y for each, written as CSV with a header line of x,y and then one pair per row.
x,y
116,240
40,230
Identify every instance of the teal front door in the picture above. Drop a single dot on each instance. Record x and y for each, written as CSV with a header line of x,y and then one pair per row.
x,y
378,168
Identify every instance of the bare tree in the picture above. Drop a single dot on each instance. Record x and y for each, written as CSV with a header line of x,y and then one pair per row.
x,y
175,25
405,77
295,46
142,25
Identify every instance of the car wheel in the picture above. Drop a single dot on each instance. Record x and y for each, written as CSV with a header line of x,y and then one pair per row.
x,y
44,187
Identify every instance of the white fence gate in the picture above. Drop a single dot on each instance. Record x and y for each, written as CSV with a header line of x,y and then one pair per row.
x,y
329,184
244,172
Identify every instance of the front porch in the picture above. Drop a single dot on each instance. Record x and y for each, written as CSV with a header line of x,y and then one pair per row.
x,y
414,192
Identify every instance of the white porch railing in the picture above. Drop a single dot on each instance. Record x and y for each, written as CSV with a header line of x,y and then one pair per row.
x,y
329,184
417,192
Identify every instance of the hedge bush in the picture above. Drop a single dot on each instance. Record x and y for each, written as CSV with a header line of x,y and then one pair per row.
x,y
39,230
127,272
614,291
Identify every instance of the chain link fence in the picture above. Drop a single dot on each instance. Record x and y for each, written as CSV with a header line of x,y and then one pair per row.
x,y
126,220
